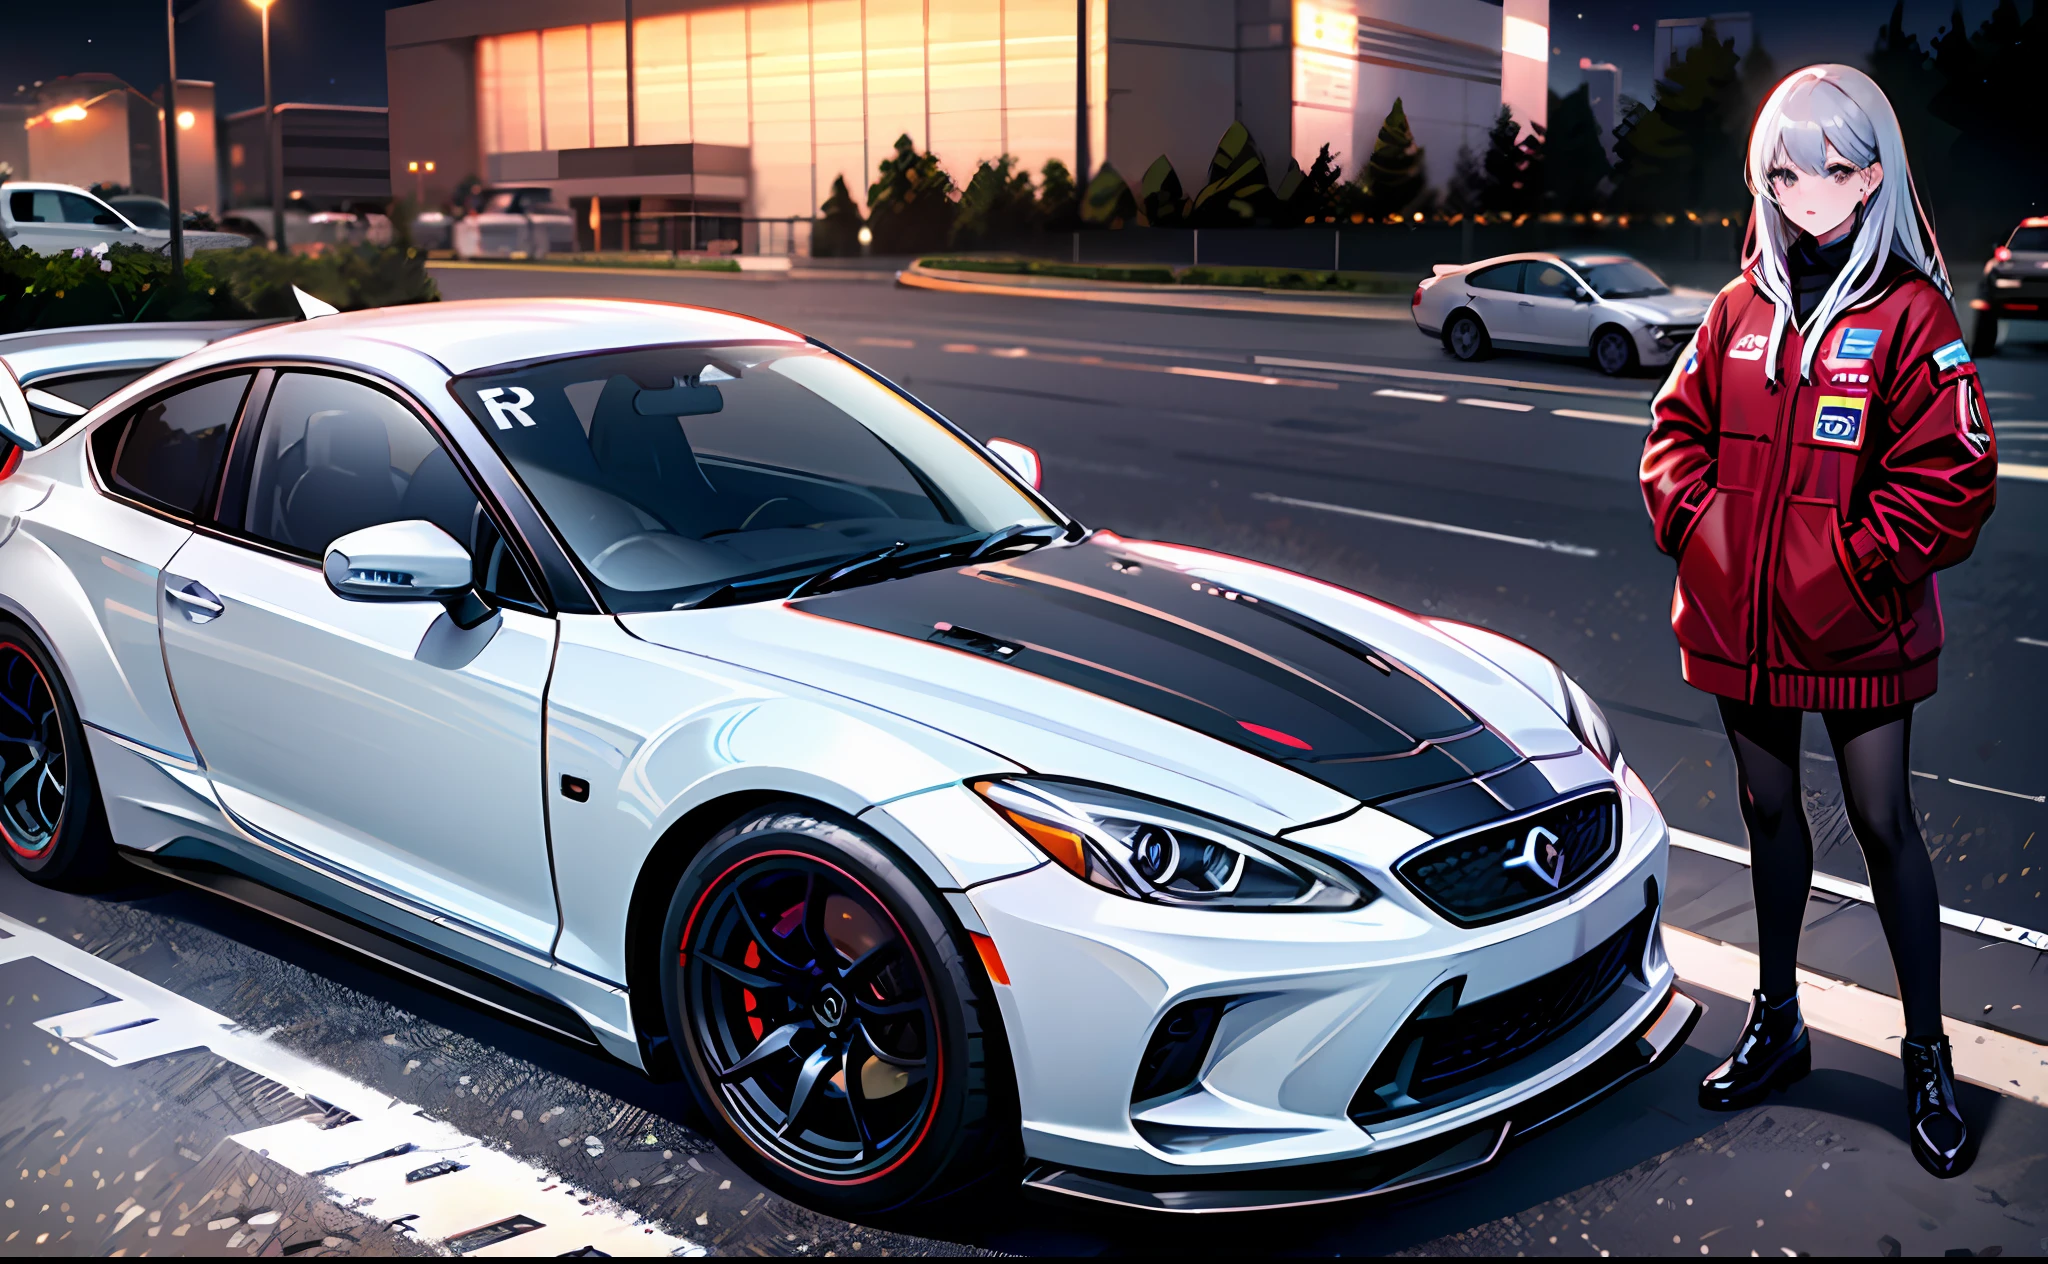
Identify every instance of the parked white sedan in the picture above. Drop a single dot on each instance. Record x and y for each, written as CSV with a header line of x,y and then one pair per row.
x,y
669,681
1604,306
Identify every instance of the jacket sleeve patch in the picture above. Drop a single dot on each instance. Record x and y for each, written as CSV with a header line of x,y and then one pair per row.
x,y
1838,421
1971,420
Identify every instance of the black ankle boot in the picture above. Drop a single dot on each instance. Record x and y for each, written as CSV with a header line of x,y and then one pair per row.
x,y
1939,1132
1772,1053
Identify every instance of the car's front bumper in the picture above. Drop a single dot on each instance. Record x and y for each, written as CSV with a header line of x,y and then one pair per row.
x,y
1458,1152
1313,1002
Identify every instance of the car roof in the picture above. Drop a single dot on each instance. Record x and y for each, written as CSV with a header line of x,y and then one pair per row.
x,y
472,334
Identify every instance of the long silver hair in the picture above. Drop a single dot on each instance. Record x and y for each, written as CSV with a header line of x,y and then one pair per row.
x,y
1811,109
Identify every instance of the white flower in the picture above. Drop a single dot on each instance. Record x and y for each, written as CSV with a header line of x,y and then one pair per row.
x,y
99,250
106,266
78,252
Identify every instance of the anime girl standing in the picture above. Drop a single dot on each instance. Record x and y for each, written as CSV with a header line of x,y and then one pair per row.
x,y
1817,454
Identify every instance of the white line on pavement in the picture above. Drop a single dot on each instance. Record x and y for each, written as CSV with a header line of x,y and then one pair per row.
x,y
885,342
1502,404
2032,473
1993,1059
1618,418
1971,785
1431,375
146,1020
1574,550
1424,396
1182,370
1975,923
2028,640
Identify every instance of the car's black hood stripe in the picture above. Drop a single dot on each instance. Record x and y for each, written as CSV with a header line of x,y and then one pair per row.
x,y
1244,671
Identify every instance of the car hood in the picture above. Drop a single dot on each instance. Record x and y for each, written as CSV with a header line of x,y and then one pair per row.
x,y
1214,682
1675,308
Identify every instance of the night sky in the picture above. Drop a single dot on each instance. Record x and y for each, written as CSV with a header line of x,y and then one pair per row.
x,y
332,51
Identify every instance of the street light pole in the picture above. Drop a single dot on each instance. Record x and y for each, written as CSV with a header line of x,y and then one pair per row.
x,y
171,146
270,155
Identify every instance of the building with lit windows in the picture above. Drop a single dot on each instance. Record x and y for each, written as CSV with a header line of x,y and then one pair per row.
x,y
640,109
92,129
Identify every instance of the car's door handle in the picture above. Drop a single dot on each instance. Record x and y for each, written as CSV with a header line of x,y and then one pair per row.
x,y
200,605
1524,303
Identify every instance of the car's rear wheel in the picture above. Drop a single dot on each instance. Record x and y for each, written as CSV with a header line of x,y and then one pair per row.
x,y
836,1025
1614,352
1467,338
51,819
1984,337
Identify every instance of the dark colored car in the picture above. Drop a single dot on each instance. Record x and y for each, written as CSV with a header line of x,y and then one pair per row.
x,y
2014,286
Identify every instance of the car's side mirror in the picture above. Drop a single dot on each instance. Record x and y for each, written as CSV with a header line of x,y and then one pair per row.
x,y
1582,296
1021,458
398,561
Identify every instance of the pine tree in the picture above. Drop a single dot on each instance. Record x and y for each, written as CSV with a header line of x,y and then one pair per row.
x,y
1239,189
1161,200
1501,188
1680,155
1464,194
837,232
1575,152
1990,92
997,208
1395,175
1059,202
1107,202
911,206
1321,192
1906,73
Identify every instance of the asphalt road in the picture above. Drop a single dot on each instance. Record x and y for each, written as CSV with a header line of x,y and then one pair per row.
x,y
1509,512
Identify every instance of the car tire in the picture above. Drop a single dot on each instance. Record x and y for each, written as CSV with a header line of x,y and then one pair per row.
x,y
1614,351
1984,336
902,996
53,825
1466,338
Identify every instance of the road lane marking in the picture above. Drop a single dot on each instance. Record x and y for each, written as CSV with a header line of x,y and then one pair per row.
x,y
885,342
1132,366
1971,785
145,1020
1618,418
1424,396
1992,1059
1975,923
2028,640
2032,473
1169,296
1554,546
1432,375
1502,404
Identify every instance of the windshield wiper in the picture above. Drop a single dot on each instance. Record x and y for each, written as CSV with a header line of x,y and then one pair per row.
x,y
1036,533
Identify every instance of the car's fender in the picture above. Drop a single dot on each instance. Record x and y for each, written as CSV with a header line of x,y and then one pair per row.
x,y
658,735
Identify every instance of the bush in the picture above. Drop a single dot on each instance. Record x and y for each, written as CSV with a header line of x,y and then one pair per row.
x,y
837,232
130,283
998,207
1140,273
911,206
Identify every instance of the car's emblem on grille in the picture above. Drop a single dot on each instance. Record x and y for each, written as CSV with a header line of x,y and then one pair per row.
x,y
1541,856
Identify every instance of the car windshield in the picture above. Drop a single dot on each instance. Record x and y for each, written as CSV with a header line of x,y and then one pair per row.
x,y
2029,240
677,472
1621,278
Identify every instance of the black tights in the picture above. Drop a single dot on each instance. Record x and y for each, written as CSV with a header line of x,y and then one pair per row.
x,y
1870,750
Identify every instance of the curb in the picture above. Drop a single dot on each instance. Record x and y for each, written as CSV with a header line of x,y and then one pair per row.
x,y
1181,297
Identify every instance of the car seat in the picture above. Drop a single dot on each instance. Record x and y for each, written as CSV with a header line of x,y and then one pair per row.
x,y
347,484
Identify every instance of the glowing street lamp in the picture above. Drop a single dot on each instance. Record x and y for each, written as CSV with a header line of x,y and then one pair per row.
x,y
418,169
270,134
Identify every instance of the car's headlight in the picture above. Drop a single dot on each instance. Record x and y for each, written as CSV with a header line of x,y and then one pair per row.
x,y
1150,851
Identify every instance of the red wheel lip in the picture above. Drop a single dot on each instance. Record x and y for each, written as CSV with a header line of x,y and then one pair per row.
x,y
5,833
938,1044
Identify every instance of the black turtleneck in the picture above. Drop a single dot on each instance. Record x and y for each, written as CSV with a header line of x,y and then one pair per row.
x,y
1812,268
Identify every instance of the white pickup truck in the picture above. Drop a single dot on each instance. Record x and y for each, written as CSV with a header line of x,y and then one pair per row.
x,y
48,218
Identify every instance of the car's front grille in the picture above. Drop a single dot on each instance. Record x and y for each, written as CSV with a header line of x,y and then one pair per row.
x,y
1517,865
1445,1045
1673,335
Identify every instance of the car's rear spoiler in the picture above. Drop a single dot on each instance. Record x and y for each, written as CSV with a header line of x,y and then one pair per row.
x,y
1440,269
28,357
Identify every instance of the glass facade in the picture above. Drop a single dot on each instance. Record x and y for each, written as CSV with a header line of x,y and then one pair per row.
x,y
812,88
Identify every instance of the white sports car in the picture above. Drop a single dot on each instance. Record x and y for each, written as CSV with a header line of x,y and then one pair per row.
x,y
672,682
1604,306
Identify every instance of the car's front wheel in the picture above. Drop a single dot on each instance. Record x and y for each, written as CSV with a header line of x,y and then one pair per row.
x,y
51,819
838,1029
1614,352
1467,338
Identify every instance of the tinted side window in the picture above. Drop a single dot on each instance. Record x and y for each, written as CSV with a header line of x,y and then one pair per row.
x,y
166,452
1549,280
83,210
1501,276
335,456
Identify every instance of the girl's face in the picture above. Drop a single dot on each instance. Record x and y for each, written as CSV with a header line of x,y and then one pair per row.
x,y
1824,205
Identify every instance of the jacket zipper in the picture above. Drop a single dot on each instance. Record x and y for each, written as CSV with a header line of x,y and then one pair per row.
x,y
1761,603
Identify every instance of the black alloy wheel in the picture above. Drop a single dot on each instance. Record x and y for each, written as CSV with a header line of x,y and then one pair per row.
x,y
50,814
829,1018
1467,338
1614,352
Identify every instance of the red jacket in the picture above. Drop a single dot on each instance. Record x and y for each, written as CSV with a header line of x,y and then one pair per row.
x,y
1808,517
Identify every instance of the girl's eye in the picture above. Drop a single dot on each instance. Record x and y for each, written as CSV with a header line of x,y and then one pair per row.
x,y
1783,176
1841,173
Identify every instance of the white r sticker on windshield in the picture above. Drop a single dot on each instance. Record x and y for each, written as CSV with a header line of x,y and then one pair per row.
x,y
501,409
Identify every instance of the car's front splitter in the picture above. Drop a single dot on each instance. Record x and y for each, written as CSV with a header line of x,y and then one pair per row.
x,y
1458,1152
